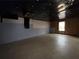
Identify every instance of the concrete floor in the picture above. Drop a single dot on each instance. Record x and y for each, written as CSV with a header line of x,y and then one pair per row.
x,y
51,46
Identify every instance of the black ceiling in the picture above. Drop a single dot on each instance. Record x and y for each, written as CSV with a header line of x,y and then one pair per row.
x,y
73,10
37,9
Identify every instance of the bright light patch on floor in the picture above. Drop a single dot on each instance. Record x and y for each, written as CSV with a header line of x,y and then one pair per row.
x,y
62,26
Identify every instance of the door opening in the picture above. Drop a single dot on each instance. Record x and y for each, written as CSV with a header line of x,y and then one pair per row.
x,y
61,26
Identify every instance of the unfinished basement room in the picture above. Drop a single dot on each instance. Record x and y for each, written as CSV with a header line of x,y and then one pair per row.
x,y
39,29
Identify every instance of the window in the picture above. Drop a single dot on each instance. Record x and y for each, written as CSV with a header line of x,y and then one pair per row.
x,y
62,26
62,15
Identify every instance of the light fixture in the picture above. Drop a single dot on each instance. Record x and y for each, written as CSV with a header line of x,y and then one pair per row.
x,y
63,8
61,5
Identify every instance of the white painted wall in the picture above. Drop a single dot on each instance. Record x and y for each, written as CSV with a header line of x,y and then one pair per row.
x,y
13,30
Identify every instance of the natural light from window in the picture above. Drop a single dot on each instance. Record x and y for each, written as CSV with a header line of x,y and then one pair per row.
x,y
62,26
62,15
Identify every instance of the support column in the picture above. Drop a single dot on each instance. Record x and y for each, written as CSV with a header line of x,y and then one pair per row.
x,y
1,20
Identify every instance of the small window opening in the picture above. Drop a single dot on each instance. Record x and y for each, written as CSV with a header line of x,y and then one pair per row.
x,y
62,26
